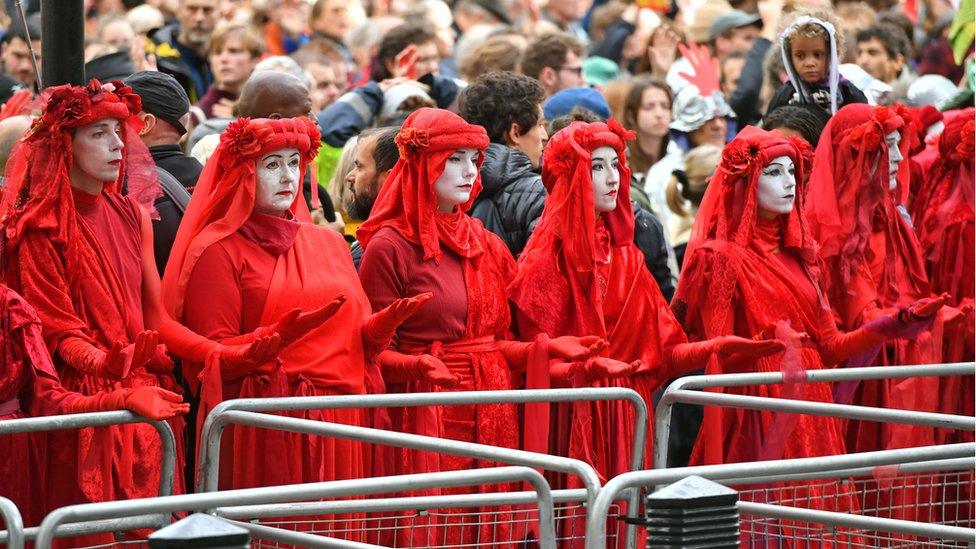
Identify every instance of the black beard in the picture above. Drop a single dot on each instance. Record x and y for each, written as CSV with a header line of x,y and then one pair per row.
x,y
361,205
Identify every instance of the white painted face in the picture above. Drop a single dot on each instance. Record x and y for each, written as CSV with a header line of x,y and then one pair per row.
x,y
456,182
893,140
605,172
777,187
278,175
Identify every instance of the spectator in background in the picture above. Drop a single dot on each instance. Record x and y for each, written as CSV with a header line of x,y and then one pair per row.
x,y
11,130
234,51
396,41
803,121
730,69
469,13
285,29
17,66
331,21
509,107
747,95
498,53
882,51
364,43
684,194
145,20
567,15
326,71
853,17
555,60
563,103
437,15
647,111
376,154
181,48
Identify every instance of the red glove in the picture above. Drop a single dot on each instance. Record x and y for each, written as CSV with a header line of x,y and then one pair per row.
x,y
380,327
295,324
116,363
923,309
687,357
401,368
161,363
602,367
574,348
257,356
150,402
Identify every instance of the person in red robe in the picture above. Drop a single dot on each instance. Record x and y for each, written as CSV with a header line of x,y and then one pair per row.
x,y
754,270
29,386
581,275
246,259
874,262
418,239
82,254
943,213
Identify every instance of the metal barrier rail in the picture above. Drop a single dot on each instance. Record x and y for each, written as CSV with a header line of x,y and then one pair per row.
x,y
213,426
105,512
300,539
416,442
845,520
597,516
679,389
13,522
101,419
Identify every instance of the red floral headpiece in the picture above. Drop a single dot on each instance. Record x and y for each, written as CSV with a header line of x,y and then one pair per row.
x,y
247,138
410,141
870,136
65,107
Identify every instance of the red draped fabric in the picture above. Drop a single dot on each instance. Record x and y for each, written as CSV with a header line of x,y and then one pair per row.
x,y
874,259
77,264
577,281
944,220
236,271
405,217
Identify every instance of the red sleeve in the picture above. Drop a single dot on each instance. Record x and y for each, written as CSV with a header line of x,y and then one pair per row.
x,y
212,306
383,271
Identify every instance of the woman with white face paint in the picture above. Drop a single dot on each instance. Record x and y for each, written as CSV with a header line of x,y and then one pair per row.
x,y
419,239
247,260
582,275
752,269
875,265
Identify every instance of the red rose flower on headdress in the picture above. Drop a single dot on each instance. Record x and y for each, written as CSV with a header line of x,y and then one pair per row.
x,y
738,157
411,140
66,106
243,139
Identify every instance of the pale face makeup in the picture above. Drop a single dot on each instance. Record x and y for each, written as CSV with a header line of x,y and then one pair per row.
x,y
456,182
777,187
893,140
97,154
278,175
605,172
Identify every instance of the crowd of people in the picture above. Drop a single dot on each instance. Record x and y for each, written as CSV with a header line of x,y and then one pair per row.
x,y
272,198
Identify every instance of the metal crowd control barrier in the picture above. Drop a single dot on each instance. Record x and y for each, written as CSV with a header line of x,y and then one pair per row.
x,y
113,515
214,424
94,419
13,522
781,470
686,390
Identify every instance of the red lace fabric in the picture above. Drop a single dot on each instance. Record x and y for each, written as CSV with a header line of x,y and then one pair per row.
x,y
55,260
943,213
408,205
581,275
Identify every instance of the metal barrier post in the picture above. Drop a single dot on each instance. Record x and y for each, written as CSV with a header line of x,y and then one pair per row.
x,y
200,530
13,522
692,512
597,515
663,414
301,492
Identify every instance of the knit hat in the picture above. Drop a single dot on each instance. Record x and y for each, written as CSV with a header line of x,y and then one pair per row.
x,y
563,102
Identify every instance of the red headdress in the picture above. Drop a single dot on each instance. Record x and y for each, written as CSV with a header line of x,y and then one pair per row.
x,y
407,202
37,193
729,214
549,283
224,196
850,197
944,208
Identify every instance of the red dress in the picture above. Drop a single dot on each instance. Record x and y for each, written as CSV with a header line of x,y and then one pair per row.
x,y
250,279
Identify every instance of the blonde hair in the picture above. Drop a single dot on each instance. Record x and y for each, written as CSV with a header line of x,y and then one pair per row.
x,y
700,164
339,191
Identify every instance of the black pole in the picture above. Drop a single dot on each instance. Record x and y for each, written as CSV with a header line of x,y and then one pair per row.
x,y
62,42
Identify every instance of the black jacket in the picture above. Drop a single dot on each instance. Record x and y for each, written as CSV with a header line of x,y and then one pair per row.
x,y
180,165
849,93
745,97
649,239
512,199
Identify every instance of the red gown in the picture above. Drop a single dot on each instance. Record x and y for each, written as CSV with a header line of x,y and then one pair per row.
x,y
250,279
98,299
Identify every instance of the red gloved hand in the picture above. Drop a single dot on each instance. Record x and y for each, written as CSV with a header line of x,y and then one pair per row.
x,y
923,309
728,346
161,363
401,368
602,367
574,348
295,324
119,360
243,359
154,403
151,402
380,327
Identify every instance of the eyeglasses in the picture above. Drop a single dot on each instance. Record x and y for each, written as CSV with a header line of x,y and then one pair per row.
x,y
578,71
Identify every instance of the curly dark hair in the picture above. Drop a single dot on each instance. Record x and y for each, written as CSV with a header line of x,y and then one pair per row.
x,y
499,98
